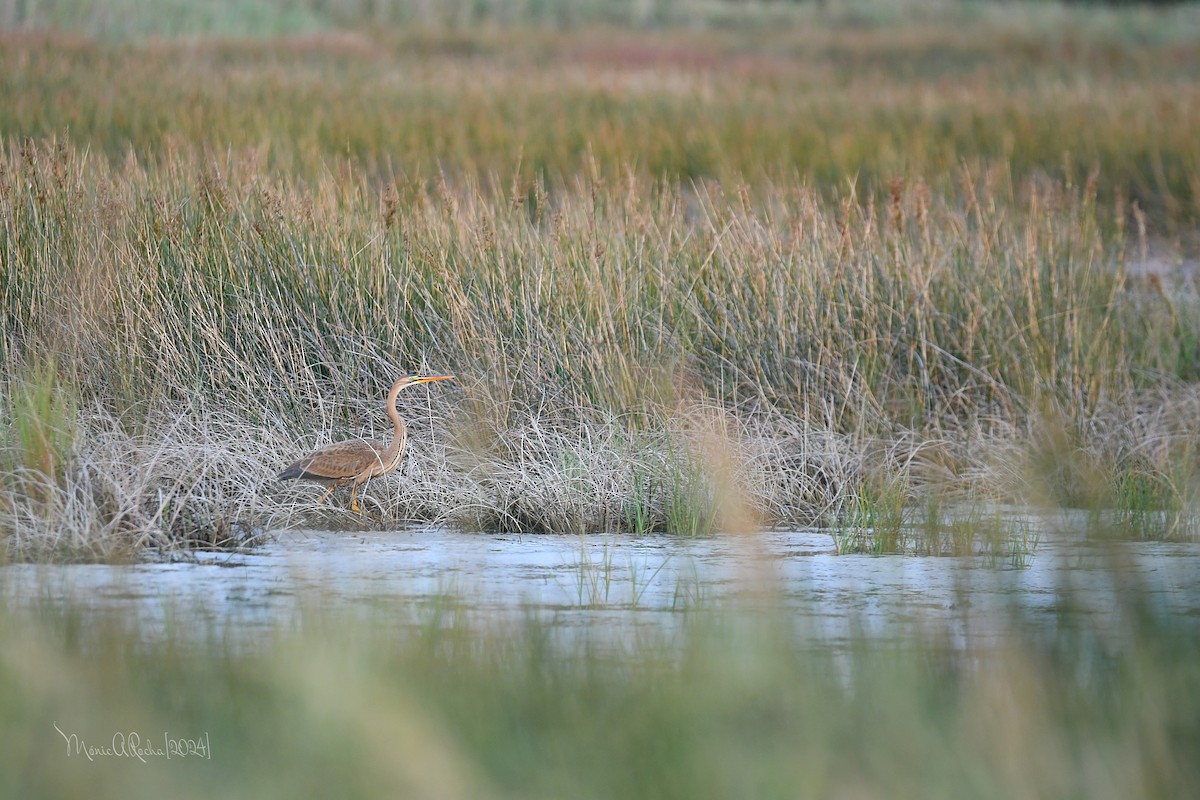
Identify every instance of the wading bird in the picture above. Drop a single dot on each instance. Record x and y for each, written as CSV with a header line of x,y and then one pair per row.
x,y
358,460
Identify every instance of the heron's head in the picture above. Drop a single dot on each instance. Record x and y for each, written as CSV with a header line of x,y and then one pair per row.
x,y
412,380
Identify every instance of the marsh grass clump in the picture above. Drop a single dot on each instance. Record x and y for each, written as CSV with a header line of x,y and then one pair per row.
x,y
689,372
888,520
875,521
177,482
39,419
1134,467
603,475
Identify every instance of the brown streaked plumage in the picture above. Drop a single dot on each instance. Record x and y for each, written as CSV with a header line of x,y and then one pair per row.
x,y
358,460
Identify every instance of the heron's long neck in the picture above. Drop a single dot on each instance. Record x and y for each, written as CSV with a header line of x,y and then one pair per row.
x,y
398,438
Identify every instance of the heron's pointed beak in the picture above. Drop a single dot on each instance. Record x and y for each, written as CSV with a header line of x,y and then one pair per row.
x,y
429,378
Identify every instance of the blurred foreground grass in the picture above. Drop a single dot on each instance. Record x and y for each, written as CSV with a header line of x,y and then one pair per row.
x,y
732,704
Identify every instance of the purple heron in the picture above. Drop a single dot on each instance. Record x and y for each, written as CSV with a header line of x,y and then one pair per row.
x,y
358,460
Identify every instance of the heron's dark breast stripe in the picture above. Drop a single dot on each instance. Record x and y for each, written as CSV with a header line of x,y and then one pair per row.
x,y
395,462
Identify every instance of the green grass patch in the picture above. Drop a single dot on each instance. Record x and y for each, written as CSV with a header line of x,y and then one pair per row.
x,y
39,419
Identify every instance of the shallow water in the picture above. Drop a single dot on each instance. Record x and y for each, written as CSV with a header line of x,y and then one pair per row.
x,y
616,586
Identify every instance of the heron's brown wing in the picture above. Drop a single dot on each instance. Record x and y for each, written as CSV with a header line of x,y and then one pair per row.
x,y
339,461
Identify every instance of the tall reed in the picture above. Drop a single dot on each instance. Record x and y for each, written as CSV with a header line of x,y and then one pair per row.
x,y
216,286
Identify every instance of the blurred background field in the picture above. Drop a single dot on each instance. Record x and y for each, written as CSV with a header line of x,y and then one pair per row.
x,y
787,91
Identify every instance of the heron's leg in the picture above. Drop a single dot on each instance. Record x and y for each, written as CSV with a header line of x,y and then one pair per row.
x,y
328,492
354,506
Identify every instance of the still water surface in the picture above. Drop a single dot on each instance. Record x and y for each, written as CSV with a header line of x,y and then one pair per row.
x,y
616,586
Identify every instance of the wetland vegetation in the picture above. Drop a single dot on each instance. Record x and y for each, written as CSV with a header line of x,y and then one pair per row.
x,y
692,278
